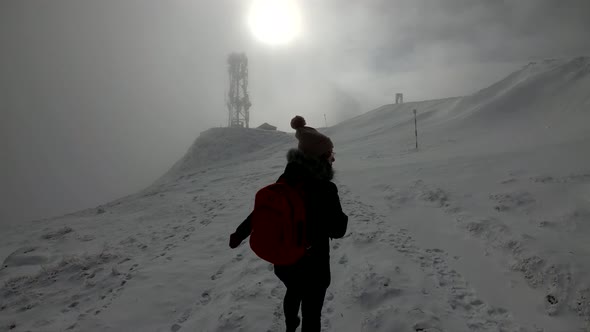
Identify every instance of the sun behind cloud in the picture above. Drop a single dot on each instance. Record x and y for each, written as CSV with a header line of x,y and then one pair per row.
x,y
275,22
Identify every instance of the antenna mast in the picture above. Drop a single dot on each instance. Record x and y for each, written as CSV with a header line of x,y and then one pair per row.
x,y
238,100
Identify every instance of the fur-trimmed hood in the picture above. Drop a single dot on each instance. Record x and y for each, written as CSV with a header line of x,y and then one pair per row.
x,y
311,166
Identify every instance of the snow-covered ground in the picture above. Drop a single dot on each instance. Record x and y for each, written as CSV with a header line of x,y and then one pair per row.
x,y
484,228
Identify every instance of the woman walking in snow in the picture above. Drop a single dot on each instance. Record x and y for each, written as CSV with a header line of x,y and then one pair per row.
x,y
310,168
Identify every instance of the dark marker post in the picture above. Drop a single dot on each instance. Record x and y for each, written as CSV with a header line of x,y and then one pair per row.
x,y
416,128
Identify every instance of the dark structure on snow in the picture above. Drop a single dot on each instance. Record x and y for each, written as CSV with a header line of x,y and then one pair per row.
x,y
266,126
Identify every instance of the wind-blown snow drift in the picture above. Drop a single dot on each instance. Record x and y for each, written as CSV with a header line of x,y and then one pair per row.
x,y
224,145
483,228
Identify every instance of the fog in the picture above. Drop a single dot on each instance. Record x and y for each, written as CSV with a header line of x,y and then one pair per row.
x,y
99,98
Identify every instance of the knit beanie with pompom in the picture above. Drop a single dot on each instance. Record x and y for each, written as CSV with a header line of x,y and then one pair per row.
x,y
311,141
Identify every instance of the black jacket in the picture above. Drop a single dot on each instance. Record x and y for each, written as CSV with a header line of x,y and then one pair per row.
x,y
324,215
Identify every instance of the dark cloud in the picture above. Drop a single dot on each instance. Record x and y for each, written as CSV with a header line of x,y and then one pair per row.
x,y
99,98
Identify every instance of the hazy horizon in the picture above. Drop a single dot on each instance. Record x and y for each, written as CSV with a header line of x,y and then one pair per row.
x,y
99,99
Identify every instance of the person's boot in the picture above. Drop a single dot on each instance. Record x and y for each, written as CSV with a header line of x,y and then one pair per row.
x,y
292,326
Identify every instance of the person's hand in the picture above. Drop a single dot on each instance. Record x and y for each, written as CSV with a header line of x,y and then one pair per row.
x,y
234,241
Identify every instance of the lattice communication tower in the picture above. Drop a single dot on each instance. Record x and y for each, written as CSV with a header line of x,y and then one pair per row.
x,y
237,100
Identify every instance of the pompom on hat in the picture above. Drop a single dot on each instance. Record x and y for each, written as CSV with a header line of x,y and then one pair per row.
x,y
311,141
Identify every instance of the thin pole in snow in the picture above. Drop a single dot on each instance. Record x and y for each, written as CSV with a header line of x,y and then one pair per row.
x,y
325,120
416,128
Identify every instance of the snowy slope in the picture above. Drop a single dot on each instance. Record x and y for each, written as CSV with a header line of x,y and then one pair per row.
x,y
484,228
226,145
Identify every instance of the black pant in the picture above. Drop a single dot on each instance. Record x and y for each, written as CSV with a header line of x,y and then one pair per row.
x,y
306,282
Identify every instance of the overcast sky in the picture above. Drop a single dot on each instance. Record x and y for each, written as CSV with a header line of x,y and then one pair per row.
x,y
99,98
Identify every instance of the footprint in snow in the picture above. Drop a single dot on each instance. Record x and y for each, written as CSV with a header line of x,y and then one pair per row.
x,y
205,298
329,296
217,274
343,260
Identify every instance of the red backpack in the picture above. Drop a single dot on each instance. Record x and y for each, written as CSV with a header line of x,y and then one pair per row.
x,y
278,224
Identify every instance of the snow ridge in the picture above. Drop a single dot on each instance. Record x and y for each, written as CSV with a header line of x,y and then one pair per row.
x,y
484,227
